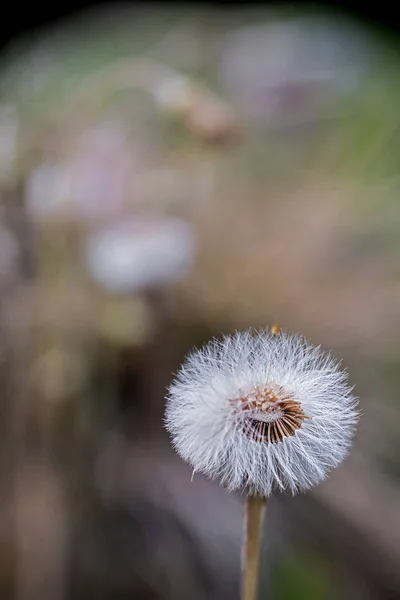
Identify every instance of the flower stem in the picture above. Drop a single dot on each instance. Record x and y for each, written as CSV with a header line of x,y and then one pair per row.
x,y
253,520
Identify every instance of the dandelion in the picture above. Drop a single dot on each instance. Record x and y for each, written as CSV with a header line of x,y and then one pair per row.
x,y
262,412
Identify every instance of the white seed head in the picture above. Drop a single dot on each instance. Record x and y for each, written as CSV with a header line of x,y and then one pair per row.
x,y
262,411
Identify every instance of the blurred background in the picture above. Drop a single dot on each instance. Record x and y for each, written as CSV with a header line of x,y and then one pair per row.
x,y
168,175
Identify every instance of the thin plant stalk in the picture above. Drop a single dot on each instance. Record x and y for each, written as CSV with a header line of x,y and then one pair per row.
x,y
253,522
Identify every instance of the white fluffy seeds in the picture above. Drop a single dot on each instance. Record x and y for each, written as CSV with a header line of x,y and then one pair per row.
x,y
262,412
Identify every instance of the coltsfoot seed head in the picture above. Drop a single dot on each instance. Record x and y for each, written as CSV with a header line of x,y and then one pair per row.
x,y
262,411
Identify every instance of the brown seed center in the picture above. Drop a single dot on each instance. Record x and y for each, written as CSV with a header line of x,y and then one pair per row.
x,y
269,416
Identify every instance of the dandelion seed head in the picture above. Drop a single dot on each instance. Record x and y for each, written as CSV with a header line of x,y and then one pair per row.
x,y
268,415
262,411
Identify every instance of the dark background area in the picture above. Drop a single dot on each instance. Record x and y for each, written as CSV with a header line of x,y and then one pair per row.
x,y
23,18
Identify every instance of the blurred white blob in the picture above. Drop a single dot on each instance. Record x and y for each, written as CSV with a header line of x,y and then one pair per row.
x,y
174,94
92,183
291,70
133,256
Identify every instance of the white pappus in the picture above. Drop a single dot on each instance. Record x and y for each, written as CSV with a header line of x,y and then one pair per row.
x,y
262,411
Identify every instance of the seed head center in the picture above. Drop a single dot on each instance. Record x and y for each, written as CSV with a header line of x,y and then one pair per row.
x,y
270,415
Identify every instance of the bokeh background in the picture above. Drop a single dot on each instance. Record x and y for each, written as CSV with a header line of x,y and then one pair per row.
x,y
167,175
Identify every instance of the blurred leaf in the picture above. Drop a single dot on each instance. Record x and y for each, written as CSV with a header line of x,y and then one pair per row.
x,y
303,576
